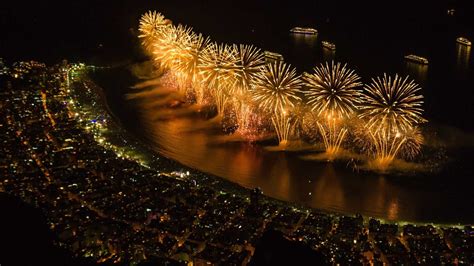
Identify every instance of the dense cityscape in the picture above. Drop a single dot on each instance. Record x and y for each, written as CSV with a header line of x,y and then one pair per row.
x,y
62,153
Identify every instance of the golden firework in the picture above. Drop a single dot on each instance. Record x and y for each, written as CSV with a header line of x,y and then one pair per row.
x,y
389,108
332,93
170,46
250,61
276,90
189,62
392,102
391,111
151,23
332,90
217,72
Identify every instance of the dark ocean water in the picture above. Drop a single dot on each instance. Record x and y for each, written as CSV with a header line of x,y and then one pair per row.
x,y
372,39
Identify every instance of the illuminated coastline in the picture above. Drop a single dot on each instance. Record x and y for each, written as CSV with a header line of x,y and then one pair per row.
x,y
144,156
171,147
113,179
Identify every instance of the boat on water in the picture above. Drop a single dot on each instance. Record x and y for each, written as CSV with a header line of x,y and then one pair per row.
x,y
463,41
302,30
272,56
329,45
417,59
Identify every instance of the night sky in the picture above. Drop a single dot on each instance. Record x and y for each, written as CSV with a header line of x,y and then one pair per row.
x,y
51,30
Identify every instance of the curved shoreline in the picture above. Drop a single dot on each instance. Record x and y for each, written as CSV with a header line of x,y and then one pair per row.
x,y
220,183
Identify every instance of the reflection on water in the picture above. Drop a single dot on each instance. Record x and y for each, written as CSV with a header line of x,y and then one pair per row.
x,y
305,48
463,53
418,71
328,55
182,133
393,211
327,188
304,39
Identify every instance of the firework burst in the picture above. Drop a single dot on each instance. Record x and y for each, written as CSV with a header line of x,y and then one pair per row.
x,y
392,102
332,94
151,23
216,69
276,90
391,112
171,49
250,61
248,120
385,114
385,144
173,43
189,61
218,64
332,90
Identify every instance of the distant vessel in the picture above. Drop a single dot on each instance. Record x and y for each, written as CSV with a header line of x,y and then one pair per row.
x,y
417,59
271,56
463,41
329,45
301,30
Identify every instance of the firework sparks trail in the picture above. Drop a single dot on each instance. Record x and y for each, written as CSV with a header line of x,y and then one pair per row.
x,y
250,61
391,111
216,69
392,102
188,64
237,76
332,92
276,91
151,24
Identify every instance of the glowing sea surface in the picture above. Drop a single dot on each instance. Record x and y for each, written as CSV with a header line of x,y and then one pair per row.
x,y
370,37
184,134
440,192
